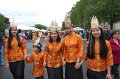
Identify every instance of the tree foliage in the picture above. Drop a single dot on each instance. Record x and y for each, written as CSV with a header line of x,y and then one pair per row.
x,y
2,23
105,10
63,26
40,26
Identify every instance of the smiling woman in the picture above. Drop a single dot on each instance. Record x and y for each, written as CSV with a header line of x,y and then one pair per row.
x,y
15,50
98,50
53,59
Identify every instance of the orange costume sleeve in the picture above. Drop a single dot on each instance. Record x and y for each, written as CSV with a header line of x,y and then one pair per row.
x,y
29,59
98,64
53,54
73,47
16,53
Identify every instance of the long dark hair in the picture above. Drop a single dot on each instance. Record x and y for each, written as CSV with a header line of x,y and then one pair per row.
x,y
58,38
103,46
10,39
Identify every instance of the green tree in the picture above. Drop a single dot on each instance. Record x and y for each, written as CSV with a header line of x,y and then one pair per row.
x,y
40,26
2,23
105,10
63,26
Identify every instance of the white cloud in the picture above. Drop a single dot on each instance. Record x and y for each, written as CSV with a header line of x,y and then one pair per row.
x,y
36,11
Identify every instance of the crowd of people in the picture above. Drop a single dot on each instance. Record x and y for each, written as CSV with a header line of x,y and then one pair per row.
x,y
102,53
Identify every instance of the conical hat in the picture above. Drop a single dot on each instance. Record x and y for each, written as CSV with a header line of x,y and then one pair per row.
x,y
94,22
13,25
67,19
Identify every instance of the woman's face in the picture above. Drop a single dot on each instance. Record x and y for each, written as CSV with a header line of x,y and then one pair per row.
x,y
96,32
69,30
13,31
54,35
116,35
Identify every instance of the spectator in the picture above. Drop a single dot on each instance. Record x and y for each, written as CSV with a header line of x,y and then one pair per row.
x,y
1,49
106,33
115,45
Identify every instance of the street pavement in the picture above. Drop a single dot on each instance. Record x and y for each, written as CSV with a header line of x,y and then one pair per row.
x,y
5,73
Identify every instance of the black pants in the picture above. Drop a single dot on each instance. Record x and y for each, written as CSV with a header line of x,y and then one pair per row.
x,y
17,69
96,75
72,73
114,71
39,77
55,73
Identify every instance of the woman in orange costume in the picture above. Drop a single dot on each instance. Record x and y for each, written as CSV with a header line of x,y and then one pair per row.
x,y
73,49
98,53
53,59
15,51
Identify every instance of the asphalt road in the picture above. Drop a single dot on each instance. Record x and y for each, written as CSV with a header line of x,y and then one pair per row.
x,y
5,73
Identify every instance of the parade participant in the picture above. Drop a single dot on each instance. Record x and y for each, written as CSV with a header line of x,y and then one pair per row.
x,y
37,58
15,51
98,53
73,49
53,61
115,45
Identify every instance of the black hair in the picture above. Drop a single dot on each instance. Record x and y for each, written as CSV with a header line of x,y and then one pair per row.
x,y
39,47
103,46
19,30
58,38
10,39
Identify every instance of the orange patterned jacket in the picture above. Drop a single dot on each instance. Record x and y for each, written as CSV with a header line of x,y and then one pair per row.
x,y
37,59
16,53
73,47
54,54
98,64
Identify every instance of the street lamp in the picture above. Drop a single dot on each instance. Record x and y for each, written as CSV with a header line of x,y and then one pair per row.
x,y
15,16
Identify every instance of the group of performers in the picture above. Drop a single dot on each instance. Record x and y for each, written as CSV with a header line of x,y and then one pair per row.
x,y
58,53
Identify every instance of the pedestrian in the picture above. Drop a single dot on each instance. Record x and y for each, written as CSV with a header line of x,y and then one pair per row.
x,y
73,49
53,59
15,51
2,62
34,36
98,54
115,45
106,33
37,58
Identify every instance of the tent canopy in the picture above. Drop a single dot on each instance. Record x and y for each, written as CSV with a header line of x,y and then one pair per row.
x,y
25,27
78,28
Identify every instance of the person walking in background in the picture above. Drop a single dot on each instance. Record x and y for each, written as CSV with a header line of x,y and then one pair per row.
x,y
22,34
73,49
115,45
37,58
53,59
34,36
15,51
2,62
106,33
98,54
